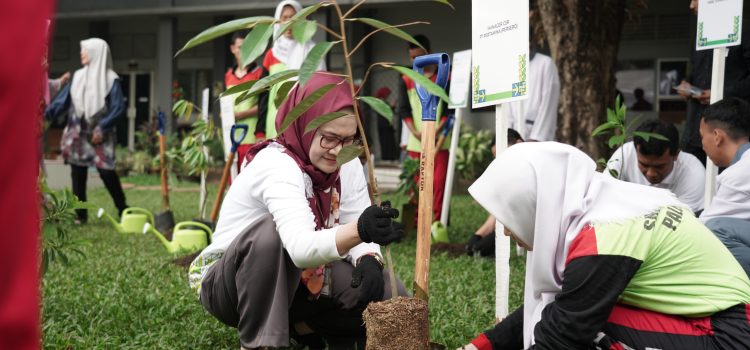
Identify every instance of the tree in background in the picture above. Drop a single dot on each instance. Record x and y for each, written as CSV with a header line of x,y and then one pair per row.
x,y
584,38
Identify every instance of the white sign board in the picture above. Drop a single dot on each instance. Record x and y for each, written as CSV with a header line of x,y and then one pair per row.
x,y
227,120
460,76
500,51
719,24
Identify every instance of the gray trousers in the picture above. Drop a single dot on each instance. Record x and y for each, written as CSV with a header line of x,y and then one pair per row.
x,y
735,234
256,288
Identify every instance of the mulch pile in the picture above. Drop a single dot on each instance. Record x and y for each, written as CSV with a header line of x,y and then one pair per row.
x,y
453,250
400,323
185,260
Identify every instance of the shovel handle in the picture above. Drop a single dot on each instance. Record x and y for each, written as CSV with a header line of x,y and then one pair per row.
x,y
164,182
426,168
222,186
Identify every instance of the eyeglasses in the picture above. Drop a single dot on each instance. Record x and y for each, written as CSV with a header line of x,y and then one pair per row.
x,y
331,142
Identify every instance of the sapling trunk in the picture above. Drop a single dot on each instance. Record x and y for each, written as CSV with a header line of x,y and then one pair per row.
x,y
372,184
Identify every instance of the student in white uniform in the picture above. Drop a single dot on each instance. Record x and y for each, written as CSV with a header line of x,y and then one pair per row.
x,y
660,164
540,109
725,129
296,248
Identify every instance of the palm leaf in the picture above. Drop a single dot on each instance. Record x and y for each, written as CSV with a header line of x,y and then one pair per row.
x,y
239,88
223,29
422,81
310,65
347,153
445,2
304,105
379,106
318,121
283,92
265,83
255,42
390,30
303,30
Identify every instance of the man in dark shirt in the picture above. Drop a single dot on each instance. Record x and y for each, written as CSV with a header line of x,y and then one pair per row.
x,y
736,84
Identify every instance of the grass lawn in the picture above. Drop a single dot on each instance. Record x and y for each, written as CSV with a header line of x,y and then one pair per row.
x,y
127,294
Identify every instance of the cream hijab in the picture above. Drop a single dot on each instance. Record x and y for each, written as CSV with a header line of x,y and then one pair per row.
x,y
288,50
92,83
545,193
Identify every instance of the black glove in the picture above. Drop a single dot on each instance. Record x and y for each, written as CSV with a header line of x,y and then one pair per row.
x,y
369,274
471,244
376,225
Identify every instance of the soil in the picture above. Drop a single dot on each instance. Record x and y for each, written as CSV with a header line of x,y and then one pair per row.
x,y
400,323
185,260
452,250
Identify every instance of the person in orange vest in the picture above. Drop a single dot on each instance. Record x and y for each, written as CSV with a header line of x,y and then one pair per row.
x,y
245,112
410,111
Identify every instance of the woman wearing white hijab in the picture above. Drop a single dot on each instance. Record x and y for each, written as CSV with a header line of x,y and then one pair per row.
x,y
286,53
611,265
93,103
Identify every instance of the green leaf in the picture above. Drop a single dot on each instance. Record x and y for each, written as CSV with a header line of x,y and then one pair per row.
x,y
255,42
283,92
239,88
611,116
648,135
318,121
390,30
303,30
265,83
304,105
602,128
222,29
446,2
176,106
616,141
347,153
379,106
302,14
310,65
423,82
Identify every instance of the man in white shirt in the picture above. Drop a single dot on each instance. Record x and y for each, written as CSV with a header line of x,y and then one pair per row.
x,y
725,136
540,109
660,164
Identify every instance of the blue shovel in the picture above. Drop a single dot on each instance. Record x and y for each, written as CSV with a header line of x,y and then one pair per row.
x,y
427,166
228,167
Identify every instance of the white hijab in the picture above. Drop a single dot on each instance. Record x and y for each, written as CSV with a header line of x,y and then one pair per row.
x,y
288,50
91,84
545,193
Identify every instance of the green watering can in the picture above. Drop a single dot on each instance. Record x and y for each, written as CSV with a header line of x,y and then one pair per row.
x,y
131,220
439,232
188,236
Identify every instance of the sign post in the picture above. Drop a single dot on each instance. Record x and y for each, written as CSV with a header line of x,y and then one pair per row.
x,y
719,26
500,57
459,94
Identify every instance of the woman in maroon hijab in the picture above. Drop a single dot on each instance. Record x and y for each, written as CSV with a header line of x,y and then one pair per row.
x,y
296,248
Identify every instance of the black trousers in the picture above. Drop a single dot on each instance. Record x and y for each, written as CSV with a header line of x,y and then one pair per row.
x,y
256,288
79,175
